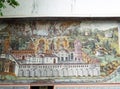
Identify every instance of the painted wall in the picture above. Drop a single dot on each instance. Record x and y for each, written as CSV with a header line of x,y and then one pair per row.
x,y
64,8
14,87
88,87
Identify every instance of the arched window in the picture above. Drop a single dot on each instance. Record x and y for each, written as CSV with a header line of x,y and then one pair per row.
x,y
28,73
58,58
55,73
62,59
66,58
75,58
39,73
45,73
21,73
36,73
54,60
71,55
23,57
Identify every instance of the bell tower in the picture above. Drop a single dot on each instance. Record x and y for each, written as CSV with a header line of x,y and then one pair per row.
x,y
78,50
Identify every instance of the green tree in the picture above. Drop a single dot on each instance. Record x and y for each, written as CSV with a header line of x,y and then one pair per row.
x,y
114,52
3,4
92,46
107,45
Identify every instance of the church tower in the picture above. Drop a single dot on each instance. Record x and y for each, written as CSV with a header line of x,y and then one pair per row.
x,y
78,50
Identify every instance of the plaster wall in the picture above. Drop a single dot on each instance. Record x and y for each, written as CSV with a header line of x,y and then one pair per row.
x,y
64,8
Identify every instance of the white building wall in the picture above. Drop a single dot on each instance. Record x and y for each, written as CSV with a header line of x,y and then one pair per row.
x,y
20,73
80,72
95,72
72,70
70,58
62,55
39,60
48,60
16,69
69,72
32,73
91,72
64,8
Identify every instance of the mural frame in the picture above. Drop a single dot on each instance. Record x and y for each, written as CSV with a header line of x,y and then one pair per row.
x,y
9,20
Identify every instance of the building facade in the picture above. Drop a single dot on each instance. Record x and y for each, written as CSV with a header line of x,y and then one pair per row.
x,y
59,70
7,65
62,63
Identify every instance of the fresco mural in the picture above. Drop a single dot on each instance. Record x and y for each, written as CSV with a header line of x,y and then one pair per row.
x,y
59,51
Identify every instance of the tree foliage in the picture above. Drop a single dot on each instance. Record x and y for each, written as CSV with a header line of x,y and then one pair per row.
x,y
107,45
3,4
